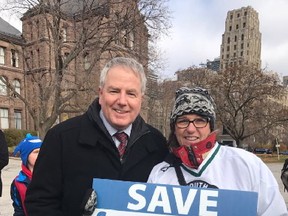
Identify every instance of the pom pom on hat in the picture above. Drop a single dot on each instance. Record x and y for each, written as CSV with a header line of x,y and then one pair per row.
x,y
26,146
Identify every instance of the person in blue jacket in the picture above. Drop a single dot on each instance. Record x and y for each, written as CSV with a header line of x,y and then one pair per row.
x,y
28,149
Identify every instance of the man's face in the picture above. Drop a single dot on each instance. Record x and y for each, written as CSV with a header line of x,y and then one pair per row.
x,y
191,135
121,97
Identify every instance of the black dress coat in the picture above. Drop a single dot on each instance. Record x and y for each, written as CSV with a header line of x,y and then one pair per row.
x,y
80,149
4,156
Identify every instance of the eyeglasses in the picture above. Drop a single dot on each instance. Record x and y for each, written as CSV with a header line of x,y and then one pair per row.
x,y
198,122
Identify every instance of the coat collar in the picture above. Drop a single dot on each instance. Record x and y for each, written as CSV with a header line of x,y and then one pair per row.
x,y
93,131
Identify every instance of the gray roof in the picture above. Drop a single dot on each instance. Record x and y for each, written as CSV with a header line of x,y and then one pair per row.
x,y
6,28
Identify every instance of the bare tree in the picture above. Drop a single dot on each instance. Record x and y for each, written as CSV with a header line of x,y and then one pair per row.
x,y
196,76
164,97
67,42
248,101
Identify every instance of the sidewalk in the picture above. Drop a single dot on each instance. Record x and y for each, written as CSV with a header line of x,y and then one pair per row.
x,y
10,171
8,174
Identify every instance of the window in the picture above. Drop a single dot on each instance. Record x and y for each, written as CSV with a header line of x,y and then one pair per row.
x,y
3,87
231,16
228,48
66,54
86,61
242,45
242,37
244,25
38,58
235,47
230,28
131,40
2,55
64,34
31,59
235,39
124,36
31,30
228,40
4,120
14,58
38,28
237,26
17,86
17,119
238,15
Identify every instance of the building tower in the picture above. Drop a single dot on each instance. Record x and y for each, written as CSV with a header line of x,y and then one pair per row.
x,y
241,41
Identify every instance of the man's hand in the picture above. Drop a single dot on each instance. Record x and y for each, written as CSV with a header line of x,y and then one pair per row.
x,y
89,202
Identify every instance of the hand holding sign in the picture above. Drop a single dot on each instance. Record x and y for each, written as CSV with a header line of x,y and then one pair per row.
x,y
89,202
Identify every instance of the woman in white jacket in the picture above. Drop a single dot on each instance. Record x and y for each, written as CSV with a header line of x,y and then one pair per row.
x,y
197,160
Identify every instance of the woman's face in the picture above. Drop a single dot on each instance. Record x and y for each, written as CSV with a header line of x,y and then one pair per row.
x,y
191,129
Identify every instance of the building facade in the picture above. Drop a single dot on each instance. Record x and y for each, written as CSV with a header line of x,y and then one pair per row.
x,y
12,109
241,41
59,55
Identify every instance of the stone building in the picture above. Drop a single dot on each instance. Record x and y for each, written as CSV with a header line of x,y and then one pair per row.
x,y
241,41
285,81
12,109
62,49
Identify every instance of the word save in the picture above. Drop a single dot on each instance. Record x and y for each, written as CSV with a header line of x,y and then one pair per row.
x,y
178,204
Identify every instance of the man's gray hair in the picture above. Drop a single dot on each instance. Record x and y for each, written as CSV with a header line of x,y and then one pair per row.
x,y
131,63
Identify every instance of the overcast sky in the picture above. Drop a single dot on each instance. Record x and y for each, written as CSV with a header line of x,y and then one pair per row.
x,y
198,26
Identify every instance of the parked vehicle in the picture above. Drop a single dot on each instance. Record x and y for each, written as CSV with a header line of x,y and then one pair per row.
x,y
262,151
283,153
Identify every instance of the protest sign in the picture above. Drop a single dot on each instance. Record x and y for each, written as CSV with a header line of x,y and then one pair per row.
x,y
117,198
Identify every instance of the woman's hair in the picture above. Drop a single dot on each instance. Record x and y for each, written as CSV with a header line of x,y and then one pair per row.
x,y
172,139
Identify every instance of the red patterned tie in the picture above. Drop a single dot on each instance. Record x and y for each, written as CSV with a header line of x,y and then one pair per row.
x,y
122,137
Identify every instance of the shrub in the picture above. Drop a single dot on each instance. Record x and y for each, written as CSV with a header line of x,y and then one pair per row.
x,y
14,136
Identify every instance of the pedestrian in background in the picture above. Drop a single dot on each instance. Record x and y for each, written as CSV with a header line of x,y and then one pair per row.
x,y
28,149
197,159
109,141
4,156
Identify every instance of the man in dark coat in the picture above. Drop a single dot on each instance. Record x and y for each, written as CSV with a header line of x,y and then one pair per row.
x,y
4,156
82,148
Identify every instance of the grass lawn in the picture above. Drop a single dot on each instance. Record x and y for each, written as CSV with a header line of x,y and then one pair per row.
x,y
272,158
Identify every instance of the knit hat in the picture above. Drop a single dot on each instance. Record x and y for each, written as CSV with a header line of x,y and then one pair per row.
x,y
26,146
193,101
